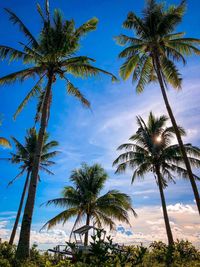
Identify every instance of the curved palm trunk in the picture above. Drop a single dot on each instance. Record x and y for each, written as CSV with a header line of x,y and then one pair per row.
x,y
24,239
12,237
86,235
166,218
180,142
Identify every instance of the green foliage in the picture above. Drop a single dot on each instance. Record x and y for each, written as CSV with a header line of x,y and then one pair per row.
x,y
4,263
155,46
183,253
105,253
7,252
152,146
56,50
24,154
83,199
186,251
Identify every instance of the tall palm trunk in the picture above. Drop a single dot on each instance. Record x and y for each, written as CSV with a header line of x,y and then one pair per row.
x,y
86,235
12,237
24,239
166,218
178,135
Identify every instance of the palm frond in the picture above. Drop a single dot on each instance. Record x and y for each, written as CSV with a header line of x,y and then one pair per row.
x,y
102,218
13,54
86,70
33,92
20,146
171,73
145,77
88,26
123,39
76,60
128,67
49,155
16,20
61,217
135,23
16,177
184,47
42,168
4,142
20,75
72,90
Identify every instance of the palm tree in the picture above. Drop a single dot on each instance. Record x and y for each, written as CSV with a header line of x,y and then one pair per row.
x,y
152,151
83,200
24,155
151,54
50,57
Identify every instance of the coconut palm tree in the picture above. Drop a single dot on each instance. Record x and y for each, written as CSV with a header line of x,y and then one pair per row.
x,y
83,200
151,54
152,151
50,57
24,156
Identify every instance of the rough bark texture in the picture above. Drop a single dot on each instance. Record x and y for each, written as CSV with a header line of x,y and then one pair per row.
x,y
24,239
178,135
86,235
166,218
12,237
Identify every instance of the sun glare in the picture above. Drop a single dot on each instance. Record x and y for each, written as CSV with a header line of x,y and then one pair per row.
x,y
158,139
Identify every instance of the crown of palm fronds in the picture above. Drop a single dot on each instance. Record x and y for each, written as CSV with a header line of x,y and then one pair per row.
x,y
155,36
55,49
152,146
25,153
84,198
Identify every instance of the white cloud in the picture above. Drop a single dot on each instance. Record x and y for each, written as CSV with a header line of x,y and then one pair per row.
x,y
150,225
180,208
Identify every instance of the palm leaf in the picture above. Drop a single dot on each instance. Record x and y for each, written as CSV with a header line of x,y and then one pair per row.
x,y
145,77
42,168
171,73
16,20
123,39
49,155
33,92
86,70
72,90
19,146
13,54
20,75
61,217
16,177
4,142
90,25
128,67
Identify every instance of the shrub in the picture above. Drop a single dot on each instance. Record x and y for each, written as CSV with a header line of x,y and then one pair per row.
x,y
4,263
104,253
7,251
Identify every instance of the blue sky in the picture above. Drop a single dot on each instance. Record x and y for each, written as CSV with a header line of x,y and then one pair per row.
x,y
94,136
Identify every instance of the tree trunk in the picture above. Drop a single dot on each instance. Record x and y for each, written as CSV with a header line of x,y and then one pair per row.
x,y
24,239
12,237
178,135
166,218
86,235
